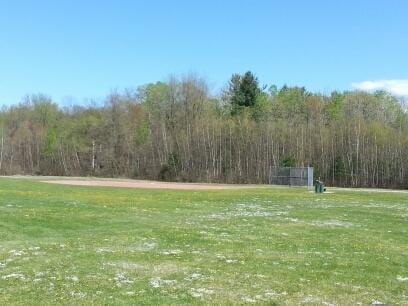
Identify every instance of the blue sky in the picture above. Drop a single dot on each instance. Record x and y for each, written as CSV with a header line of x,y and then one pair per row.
x,y
84,49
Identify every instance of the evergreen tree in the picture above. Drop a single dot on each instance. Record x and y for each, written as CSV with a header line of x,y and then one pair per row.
x,y
243,91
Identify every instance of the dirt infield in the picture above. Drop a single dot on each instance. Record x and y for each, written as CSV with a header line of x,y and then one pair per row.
x,y
147,184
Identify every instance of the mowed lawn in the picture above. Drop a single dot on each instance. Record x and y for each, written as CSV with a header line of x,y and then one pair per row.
x,y
81,245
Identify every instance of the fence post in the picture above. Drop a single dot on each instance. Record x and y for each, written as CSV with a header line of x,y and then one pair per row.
x,y
309,177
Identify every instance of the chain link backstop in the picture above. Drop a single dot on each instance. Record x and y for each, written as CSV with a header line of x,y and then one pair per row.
x,y
291,176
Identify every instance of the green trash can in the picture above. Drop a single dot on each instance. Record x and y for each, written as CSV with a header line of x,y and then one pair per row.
x,y
319,187
322,188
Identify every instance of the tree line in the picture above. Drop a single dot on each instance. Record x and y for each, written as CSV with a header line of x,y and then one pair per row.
x,y
176,130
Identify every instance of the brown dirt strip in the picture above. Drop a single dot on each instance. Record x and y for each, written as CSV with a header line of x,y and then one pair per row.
x,y
149,184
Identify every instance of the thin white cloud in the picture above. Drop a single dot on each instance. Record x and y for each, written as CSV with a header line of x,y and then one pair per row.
x,y
395,87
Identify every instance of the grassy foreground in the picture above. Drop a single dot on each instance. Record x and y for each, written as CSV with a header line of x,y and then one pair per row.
x,y
81,245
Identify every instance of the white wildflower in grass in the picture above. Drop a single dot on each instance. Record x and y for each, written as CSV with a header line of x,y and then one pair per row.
x,y
172,252
158,282
73,278
149,245
194,276
199,292
292,219
311,299
14,276
220,256
121,279
16,253
332,223
79,295
275,294
248,299
196,294
36,248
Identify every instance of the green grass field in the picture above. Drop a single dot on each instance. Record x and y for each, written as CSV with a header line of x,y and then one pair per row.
x,y
80,245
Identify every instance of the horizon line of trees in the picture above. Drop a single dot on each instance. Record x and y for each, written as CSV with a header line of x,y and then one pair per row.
x,y
175,130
